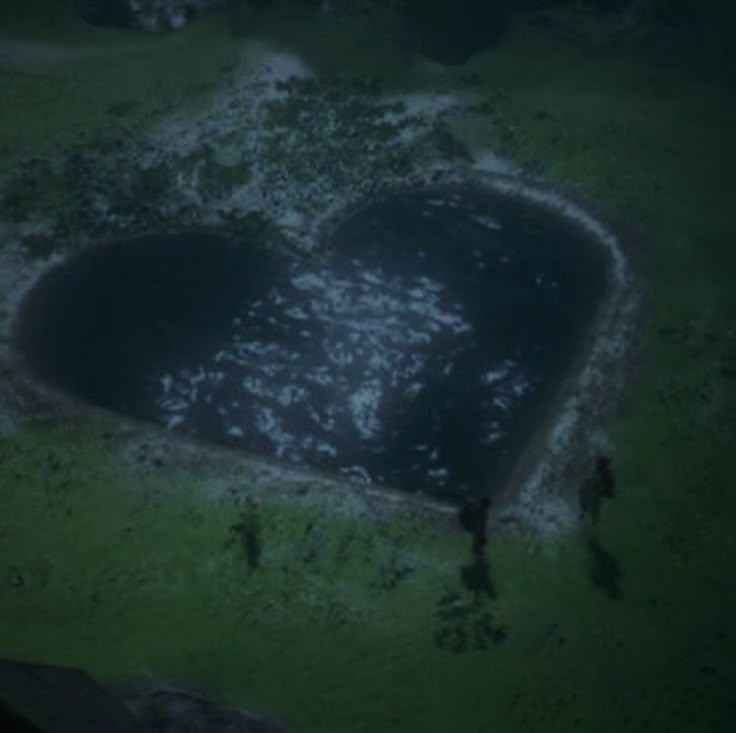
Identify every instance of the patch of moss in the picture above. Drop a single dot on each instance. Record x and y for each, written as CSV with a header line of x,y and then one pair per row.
x,y
448,146
89,190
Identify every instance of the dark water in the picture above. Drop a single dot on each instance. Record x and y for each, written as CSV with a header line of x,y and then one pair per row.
x,y
418,354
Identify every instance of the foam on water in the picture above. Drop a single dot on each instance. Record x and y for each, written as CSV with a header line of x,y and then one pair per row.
x,y
370,337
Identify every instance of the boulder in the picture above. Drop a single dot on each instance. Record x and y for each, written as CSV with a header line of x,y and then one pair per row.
x,y
155,16
451,31
170,710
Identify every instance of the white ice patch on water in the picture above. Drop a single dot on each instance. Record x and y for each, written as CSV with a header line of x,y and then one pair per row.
x,y
438,475
413,390
364,405
175,404
326,449
174,421
309,281
341,355
494,375
290,394
488,222
493,437
437,317
257,387
506,385
520,388
372,278
357,474
503,403
320,375
326,419
271,426
442,203
307,391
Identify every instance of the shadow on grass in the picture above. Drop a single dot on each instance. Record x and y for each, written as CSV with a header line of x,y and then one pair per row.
x,y
604,569
476,578
465,619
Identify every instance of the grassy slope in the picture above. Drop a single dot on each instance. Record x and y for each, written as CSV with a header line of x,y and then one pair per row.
x,y
123,586
75,99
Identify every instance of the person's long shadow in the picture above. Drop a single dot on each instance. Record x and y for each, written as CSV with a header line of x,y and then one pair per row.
x,y
476,578
605,569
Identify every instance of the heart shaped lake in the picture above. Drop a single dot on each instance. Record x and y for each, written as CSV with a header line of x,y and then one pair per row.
x,y
418,351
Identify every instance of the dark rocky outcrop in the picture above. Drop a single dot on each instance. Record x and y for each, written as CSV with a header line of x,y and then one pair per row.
x,y
168,710
41,698
451,31
148,15
447,31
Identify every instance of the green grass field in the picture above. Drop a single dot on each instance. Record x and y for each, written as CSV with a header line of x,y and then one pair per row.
x,y
352,624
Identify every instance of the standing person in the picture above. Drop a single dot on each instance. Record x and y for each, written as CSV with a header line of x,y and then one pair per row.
x,y
473,517
599,485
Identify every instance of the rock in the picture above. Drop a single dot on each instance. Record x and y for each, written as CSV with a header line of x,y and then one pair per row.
x,y
451,31
155,16
178,711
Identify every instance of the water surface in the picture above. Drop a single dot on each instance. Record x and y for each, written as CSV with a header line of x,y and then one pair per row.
x,y
419,353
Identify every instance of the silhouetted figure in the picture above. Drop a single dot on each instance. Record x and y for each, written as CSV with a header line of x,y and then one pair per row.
x,y
473,516
605,476
599,485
